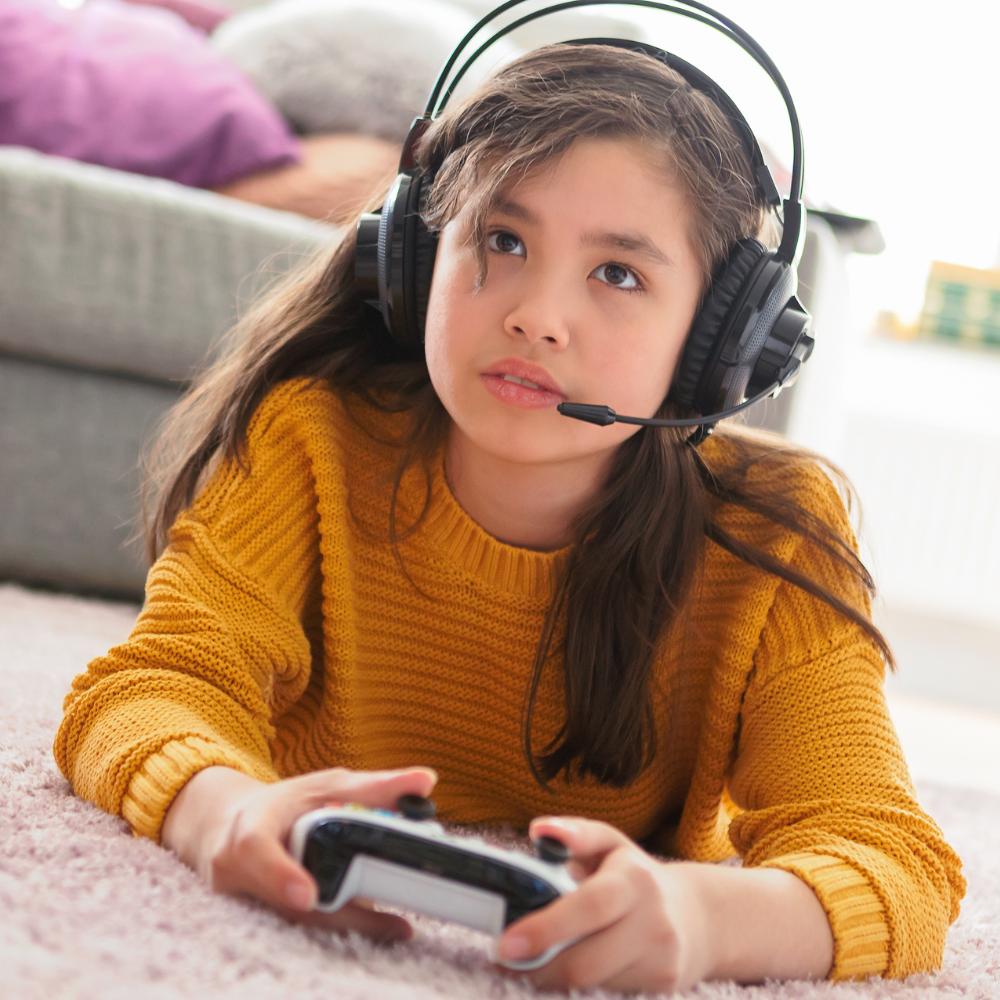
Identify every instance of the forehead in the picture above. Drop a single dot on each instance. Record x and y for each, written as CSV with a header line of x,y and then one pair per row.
x,y
600,184
621,173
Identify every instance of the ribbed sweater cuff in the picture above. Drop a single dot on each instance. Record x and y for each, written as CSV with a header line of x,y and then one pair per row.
x,y
860,931
156,784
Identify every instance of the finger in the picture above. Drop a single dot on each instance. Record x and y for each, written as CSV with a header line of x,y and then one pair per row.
x,y
589,841
600,901
379,926
378,789
255,859
370,788
259,866
255,862
381,789
610,958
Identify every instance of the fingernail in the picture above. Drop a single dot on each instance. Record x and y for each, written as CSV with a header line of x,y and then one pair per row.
x,y
550,822
300,896
513,947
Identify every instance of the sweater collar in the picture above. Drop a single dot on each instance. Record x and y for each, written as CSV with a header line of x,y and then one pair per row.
x,y
458,538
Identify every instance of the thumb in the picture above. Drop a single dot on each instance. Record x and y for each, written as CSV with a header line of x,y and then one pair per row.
x,y
382,789
589,841
375,789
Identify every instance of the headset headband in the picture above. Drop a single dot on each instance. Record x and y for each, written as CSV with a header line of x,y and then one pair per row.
x,y
790,248
751,334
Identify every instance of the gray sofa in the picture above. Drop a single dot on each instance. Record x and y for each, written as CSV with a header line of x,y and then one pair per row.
x,y
113,288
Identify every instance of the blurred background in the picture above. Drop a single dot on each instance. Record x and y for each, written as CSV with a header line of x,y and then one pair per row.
x,y
903,390
121,264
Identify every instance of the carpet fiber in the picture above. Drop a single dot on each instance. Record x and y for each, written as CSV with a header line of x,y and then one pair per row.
x,y
87,911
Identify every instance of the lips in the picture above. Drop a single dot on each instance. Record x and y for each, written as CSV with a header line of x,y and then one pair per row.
x,y
523,385
518,372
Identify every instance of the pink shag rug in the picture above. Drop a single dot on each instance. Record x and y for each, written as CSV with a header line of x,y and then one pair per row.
x,y
87,911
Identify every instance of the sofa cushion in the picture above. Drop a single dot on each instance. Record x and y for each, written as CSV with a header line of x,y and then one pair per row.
x,y
118,272
69,476
345,65
135,88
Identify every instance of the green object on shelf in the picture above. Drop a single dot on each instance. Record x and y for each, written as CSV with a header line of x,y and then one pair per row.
x,y
962,305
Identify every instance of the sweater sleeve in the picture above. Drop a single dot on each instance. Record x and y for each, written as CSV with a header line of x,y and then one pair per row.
x,y
219,646
826,791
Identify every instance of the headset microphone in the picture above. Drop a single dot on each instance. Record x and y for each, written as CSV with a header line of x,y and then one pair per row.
x,y
604,415
593,413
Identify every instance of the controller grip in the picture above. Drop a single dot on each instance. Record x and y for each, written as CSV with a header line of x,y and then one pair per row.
x,y
443,899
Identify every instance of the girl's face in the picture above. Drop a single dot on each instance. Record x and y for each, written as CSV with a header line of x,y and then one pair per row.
x,y
591,287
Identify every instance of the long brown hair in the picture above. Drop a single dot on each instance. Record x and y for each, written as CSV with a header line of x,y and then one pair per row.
x,y
640,540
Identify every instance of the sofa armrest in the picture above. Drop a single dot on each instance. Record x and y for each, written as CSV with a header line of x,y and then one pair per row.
x,y
121,273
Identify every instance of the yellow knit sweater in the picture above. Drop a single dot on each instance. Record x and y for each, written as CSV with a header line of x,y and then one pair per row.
x,y
280,635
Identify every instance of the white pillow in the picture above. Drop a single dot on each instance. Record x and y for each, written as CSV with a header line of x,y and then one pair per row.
x,y
580,22
362,66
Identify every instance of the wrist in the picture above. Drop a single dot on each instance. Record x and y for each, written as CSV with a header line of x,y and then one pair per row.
x,y
197,813
705,925
763,924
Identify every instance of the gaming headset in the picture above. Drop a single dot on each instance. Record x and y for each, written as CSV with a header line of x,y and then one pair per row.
x,y
750,336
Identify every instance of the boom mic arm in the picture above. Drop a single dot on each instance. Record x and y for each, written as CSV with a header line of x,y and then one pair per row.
x,y
604,415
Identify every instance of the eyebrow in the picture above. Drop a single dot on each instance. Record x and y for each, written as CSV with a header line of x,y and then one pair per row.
x,y
516,211
640,244
629,242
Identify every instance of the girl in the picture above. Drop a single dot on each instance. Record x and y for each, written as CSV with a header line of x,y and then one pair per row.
x,y
381,574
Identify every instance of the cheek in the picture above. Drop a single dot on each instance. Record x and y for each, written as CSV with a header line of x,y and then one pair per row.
x,y
637,368
663,338
437,350
447,333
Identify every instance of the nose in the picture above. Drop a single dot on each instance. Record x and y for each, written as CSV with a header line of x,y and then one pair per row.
x,y
540,315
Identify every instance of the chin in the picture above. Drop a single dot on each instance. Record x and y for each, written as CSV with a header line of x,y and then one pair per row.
x,y
532,442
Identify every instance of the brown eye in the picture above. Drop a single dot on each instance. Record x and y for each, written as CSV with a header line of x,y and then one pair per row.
x,y
506,243
618,276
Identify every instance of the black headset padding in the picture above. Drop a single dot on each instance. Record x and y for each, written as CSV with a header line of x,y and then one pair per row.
x,y
704,341
424,253
403,221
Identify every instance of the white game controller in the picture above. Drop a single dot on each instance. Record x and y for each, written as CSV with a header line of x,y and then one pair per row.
x,y
407,860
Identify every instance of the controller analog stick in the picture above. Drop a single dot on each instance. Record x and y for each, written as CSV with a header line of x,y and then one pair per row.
x,y
416,807
552,850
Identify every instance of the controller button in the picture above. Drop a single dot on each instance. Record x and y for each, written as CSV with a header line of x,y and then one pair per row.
x,y
552,850
416,807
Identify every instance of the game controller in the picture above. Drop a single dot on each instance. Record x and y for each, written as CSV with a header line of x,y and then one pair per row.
x,y
406,859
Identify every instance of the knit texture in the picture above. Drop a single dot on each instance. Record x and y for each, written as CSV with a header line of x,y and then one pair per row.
x,y
281,634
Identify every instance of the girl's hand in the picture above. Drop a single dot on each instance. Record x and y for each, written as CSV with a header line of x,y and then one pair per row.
x,y
233,830
642,922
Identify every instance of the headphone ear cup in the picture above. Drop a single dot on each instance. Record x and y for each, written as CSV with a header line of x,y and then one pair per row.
x,y
422,272
406,253
709,329
388,254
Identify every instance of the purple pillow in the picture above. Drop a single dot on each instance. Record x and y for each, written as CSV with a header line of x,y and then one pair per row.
x,y
135,88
